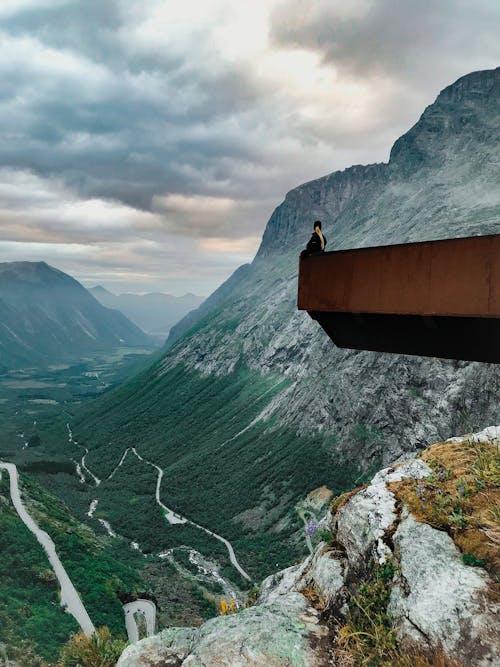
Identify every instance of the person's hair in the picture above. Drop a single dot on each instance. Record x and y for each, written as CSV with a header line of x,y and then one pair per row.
x,y
317,224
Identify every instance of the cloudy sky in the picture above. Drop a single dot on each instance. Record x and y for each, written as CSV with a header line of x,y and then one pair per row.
x,y
144,145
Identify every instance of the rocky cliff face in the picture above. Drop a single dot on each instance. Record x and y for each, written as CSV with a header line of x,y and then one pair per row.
x,y
395,580
442,181
251,394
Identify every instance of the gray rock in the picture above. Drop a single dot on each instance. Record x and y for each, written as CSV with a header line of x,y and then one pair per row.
x,y
415,468
321,570
362,523
438,600
166,649
281,583
325,573
441,182
275,634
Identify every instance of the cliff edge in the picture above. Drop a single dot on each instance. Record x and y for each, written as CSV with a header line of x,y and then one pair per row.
x,y
403,573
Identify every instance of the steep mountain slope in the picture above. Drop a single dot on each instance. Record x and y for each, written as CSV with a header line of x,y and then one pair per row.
x,y
252,406
154,313
45,315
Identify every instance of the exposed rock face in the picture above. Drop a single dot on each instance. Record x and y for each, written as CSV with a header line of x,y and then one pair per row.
x,y
442,181
438,599
166,649
437,602
376,204
271,634
364,520
350,409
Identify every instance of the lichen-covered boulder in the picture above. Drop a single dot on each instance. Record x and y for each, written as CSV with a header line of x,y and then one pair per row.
x,y
278,633
283,582
325,573
275,634
413,468
364,519
166,649
440,601
362,522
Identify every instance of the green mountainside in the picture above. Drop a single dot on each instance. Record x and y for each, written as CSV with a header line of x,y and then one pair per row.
x,y
29,596
32,621
253,478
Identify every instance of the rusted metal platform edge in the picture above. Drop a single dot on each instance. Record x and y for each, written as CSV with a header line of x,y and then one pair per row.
x,y
449,277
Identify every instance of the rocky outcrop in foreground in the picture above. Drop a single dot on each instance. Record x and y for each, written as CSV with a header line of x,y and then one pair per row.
x,y
403,574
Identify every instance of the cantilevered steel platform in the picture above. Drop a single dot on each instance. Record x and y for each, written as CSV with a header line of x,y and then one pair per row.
x,y
436,298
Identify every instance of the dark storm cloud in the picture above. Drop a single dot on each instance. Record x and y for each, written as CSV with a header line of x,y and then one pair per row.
x,y
116,120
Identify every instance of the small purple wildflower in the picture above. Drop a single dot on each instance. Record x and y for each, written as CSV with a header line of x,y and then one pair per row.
x,y
311,528
461,489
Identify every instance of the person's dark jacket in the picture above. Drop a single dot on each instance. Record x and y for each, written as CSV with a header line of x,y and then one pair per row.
x,y
314,244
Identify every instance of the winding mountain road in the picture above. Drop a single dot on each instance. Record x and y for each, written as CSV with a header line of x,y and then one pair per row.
x,y
181,519
148,610
171,516
70,599
80,467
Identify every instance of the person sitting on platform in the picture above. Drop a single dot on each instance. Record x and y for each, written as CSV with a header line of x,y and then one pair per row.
x,y
317,242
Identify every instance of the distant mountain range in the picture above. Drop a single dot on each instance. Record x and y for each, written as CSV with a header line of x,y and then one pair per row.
x,y
252,406
47,316
155,313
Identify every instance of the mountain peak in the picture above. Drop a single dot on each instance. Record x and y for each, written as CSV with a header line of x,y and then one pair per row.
x,y
473,86
48,315
99,289
32,272
353,203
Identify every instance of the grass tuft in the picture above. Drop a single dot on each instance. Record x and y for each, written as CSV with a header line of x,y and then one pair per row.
x,y
461,496
99,650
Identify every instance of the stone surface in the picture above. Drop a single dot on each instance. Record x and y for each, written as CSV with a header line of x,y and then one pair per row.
x,y
275,634
362,522
415,468
440,601
321,570
279,632
283,582
441,181
325,572
166,649
490,434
